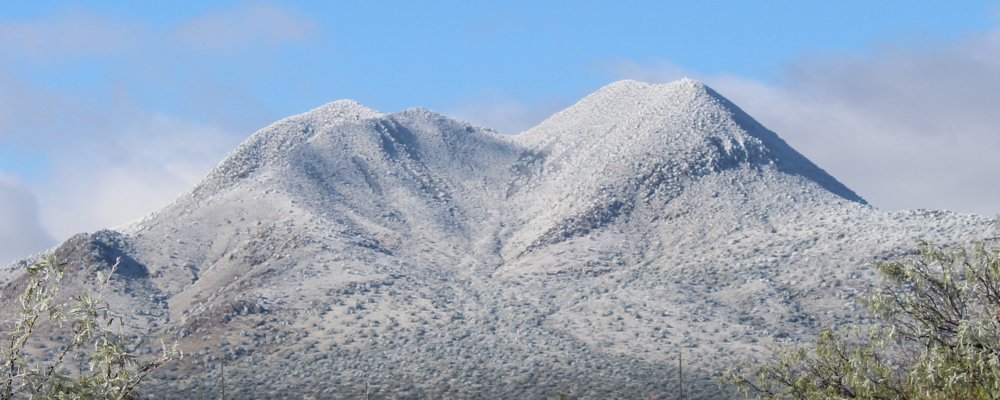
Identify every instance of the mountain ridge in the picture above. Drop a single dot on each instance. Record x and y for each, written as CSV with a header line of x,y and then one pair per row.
x,y
434,258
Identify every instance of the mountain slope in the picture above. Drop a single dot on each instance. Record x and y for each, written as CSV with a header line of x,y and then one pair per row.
x,y
433,258
629,149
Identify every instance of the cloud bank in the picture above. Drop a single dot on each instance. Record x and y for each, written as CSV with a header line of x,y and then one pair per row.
x,y
106,156
905,127
147,163
21,232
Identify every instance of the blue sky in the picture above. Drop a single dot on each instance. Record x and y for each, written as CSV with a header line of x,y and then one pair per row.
x,y
110,109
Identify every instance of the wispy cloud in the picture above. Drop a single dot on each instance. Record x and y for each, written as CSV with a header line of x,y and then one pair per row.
x,y
68,34
250,27
905,127
35,115
73,34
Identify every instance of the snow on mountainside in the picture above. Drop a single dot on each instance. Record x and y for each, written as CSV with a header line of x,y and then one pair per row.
x,y
437,259
636,141
631,126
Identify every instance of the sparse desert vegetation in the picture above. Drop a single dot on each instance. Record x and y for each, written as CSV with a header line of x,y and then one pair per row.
x,y
935,335
61,346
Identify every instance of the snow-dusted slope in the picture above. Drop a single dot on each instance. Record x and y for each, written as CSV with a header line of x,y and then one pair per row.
x,y
432,258
632,144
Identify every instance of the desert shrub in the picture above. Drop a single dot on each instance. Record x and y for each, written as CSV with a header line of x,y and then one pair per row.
x,y
936,335
112,370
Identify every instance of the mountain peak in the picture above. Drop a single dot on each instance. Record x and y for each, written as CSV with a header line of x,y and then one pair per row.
x,y
683,122
679,89
421,113
346,110
651,104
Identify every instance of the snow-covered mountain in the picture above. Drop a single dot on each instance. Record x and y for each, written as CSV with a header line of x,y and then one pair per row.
x,y
433,258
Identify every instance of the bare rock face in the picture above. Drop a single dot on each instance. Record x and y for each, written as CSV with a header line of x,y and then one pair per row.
x,y
432,258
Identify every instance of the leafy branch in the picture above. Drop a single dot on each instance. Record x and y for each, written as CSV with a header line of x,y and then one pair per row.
x,y
114,371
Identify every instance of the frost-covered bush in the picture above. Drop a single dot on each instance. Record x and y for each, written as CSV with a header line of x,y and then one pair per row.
x,y
111,369
936,336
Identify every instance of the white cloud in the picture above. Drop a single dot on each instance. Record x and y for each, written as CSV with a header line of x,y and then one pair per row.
x,y
111,160
37,116
140,169
21,233
904,127
251,27
107,164
72,34
68,34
